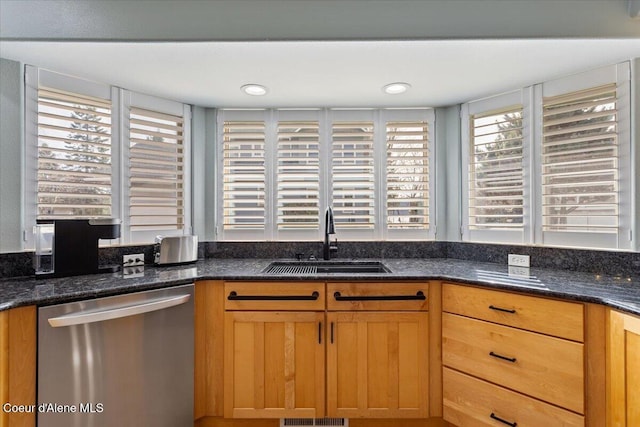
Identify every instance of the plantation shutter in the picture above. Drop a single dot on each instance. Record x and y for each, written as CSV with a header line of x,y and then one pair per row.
x,y
580,161
298,175
73,156
156,170
352,171
496,198
243,175
407,175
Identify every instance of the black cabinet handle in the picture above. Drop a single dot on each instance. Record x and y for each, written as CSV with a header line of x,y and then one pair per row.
x,y
497,418
508,359
331,332
233,296
319,332
504,310
418,296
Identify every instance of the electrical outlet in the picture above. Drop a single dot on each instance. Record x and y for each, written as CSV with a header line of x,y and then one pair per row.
x,y
133,260
519,260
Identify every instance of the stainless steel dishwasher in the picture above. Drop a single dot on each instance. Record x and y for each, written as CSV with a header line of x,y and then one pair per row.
x,y
124,361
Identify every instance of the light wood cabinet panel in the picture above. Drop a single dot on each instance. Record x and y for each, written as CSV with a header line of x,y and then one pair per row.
x,y
548,368
551,317
623,353
18,343
470,402
378,365
372,295
284,296
274,364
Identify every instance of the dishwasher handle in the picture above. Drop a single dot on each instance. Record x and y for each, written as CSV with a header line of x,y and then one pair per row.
x,y
81,317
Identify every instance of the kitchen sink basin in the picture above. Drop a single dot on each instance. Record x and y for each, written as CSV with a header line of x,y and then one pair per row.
x,y
324,267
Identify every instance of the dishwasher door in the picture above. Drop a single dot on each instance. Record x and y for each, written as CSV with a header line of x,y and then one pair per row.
x,y
124,361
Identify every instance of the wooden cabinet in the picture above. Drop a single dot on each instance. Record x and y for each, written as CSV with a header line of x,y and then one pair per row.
x,y
274,345
377,359
274,364
516,348
18,343
378,365
623,361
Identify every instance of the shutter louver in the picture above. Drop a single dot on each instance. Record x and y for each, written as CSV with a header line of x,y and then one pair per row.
x,y
244,175
156,175
353,175
496,199
580,161
74,156
407,175
298,179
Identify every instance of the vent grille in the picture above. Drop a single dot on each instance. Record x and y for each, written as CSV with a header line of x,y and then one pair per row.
x,y
295,422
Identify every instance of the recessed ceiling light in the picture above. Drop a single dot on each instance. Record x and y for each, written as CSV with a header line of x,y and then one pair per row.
x,y
254,89
396,88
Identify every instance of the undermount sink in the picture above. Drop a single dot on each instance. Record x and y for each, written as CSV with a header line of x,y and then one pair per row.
x,y
323,267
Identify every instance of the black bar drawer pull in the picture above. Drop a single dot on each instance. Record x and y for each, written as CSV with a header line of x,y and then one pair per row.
x,y
331,332
319,332
233,296
504,310
497,418
508,359
418,296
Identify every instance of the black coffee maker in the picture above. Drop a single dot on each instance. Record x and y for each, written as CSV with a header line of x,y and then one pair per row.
x,y
74,245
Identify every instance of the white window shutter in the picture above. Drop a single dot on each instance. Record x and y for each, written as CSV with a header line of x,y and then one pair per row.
x,y
407,175
298,175
243,175
156,171
353,175
74,155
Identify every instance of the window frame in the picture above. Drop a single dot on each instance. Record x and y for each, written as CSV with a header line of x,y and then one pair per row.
x,y
620,74
468,111
326,117
120,101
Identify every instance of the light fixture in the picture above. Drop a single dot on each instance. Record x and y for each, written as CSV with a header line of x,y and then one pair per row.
x,y
254,89
396,88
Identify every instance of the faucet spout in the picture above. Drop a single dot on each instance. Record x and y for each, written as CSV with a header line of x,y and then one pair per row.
x,y
329,228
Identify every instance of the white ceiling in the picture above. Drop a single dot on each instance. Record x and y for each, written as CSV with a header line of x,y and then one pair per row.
x,y
323,73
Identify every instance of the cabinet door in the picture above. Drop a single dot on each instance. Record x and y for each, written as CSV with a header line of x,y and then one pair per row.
x,y
378,365
274,364
624,370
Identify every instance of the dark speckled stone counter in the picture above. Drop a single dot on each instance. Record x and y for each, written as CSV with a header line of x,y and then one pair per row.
x,y
620,292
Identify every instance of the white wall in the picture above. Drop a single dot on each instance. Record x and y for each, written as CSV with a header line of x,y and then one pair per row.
x,y
11,143
635,146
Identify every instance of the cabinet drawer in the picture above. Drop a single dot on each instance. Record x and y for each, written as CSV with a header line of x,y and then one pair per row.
x,y
558,318
344,296
470,402
548,368
285,296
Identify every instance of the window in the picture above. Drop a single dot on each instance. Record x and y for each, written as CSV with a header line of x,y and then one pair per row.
x,y
569,186
243,176
98,151
496,207
156,171
352,174
407,175
298,175
74,155
585,154
280,169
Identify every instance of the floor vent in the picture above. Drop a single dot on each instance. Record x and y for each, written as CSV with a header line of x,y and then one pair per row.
x,y
300,422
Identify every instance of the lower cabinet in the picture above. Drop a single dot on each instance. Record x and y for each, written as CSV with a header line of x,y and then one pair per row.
x,y
378,365
274,365
623,394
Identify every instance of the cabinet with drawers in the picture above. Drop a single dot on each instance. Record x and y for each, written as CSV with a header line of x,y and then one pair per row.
x,y
512,359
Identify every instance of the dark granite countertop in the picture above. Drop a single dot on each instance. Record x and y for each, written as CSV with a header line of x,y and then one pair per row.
x,y
622,293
